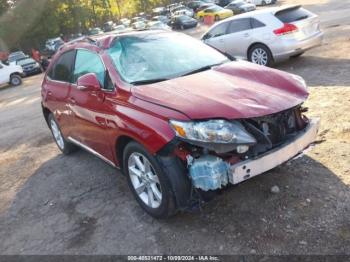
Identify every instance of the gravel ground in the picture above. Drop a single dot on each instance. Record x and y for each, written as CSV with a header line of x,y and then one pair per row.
x,y
54,204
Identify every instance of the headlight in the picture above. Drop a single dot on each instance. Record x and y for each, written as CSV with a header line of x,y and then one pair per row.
x,y
218,135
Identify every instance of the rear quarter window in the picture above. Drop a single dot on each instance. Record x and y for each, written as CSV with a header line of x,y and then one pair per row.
x,y
256,23
62,70
292,14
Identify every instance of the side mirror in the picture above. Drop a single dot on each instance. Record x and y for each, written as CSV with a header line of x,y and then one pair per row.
x,y
206,37
88,82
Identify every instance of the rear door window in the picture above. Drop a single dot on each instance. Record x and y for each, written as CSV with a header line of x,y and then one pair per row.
x,y
293,14
62,70
239,25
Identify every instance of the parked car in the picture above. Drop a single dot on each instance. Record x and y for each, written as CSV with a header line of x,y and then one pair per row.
x,y
194,5
125,21
14,56
262,2
183,22
95,31
182,10
140,25
11,74
204,6
53,44
240,6
160,11
222,3
138,19
109,26
267,36
161,18
30,66
217,12
154,25
176,116
119,28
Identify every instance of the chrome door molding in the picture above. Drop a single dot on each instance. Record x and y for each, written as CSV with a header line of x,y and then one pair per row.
x,y
90,150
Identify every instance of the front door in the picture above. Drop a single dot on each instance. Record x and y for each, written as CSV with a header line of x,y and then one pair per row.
x,y
217,37
92,114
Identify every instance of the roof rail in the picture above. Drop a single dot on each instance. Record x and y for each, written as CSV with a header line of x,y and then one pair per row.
x,y
80,39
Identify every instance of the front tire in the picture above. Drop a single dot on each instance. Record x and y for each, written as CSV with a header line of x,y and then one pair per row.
x,y
261,55
149,181
65,147
15,80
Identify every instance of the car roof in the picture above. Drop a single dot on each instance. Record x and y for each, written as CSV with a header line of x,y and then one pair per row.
x,y
100,42
268,10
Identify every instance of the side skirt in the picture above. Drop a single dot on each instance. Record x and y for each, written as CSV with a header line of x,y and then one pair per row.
x,y
90,150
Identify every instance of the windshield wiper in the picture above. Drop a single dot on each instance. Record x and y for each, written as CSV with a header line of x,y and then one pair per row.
x,y
148,81
201,69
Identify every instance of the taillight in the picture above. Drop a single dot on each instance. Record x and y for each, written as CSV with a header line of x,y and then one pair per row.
x,y
286,29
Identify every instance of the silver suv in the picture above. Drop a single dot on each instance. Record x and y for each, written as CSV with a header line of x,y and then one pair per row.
x,y
267,36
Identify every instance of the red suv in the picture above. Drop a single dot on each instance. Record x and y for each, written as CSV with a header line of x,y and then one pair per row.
x,y
176,116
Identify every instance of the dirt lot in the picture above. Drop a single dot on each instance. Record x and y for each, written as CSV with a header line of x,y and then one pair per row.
x,y
54,204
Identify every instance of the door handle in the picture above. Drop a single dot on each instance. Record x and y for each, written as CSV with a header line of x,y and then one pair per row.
x,y
49,93
246,35
221,40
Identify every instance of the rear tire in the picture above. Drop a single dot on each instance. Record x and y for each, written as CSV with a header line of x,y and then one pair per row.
x,y
261,55
15,80
150,181
65,146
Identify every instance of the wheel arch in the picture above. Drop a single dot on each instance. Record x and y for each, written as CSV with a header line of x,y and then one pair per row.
x,y
119,146
46,113
258,43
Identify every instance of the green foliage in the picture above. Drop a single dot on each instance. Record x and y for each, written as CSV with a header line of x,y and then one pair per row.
x,y
26,23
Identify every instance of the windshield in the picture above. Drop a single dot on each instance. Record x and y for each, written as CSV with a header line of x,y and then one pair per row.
x,y
149,57
25,61
16,57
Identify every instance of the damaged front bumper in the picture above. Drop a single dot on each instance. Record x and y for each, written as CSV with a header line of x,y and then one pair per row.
x,y
253,167
211,173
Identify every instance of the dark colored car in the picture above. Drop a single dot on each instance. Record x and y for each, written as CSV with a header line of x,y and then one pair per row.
x,y
204,6
183,22
239,7
197,6
177,117
30,66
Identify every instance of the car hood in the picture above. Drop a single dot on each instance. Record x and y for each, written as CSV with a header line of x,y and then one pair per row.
x,y
233,90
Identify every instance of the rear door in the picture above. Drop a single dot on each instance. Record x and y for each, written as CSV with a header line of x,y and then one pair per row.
x,y
308,24
56,89
239,37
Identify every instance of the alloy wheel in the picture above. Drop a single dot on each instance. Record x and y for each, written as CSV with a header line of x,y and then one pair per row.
x,y
144,180
15,81
57,134
259,56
